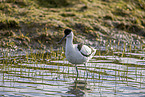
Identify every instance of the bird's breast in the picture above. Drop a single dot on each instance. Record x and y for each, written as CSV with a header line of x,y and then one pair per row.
x,y
74,56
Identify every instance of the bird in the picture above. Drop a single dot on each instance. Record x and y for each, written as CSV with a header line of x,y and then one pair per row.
x,y
77,53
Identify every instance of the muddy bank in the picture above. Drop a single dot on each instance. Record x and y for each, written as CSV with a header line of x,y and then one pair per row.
x,y
40,24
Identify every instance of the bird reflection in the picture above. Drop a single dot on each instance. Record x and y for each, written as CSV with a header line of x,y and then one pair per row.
x,y
78,87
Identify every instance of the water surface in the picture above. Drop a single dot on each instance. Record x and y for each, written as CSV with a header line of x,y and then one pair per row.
x,y
48,73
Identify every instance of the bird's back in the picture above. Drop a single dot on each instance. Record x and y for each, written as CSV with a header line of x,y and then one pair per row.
x,y
79,54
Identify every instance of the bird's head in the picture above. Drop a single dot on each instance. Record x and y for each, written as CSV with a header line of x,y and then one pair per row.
x,y
68,33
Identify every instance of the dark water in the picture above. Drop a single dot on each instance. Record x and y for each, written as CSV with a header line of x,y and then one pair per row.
x,y
48,73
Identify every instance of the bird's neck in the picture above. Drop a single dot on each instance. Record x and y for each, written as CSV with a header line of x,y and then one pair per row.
x,y
69,41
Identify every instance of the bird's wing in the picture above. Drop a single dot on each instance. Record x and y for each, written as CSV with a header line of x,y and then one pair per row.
x,y
85,50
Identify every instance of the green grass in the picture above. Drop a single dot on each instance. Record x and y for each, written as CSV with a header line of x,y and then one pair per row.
x,y
42,22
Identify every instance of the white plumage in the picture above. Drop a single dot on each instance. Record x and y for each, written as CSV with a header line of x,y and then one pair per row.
x,y
86,50
77,53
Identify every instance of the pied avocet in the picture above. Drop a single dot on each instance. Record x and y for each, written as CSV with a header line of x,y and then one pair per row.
x,y
77,53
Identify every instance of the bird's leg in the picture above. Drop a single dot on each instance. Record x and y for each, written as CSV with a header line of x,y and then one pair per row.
x,y
86,69
77,70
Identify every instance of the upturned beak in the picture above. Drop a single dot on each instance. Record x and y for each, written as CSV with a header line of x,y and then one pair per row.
x,y
62,39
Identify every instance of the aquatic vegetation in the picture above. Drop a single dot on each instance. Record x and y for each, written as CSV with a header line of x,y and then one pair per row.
x,y
48,70
114,28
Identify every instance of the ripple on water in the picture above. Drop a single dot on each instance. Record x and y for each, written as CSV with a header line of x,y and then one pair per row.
x,y
108,75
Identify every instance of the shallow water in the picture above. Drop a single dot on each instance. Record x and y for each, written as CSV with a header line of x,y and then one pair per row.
x,y
48,73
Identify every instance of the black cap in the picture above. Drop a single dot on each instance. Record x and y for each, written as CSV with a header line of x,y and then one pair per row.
x,y
67,31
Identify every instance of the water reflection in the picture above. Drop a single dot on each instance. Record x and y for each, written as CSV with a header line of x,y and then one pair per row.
x,y
78,87
48,74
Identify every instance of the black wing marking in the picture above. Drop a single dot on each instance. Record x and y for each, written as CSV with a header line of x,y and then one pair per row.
x,y
79,48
